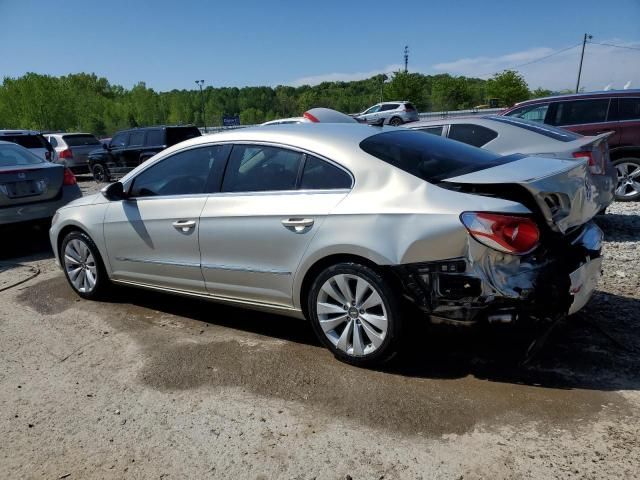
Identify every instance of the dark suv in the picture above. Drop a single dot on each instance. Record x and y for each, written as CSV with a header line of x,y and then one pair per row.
x,y
129,148
592,114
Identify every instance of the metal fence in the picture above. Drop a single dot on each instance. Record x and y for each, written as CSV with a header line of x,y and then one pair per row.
x,y
423,116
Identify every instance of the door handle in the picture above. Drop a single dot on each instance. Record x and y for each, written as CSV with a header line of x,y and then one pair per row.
x,y
184,225
298,225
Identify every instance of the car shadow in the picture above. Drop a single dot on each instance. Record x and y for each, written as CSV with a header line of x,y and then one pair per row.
x,y
620,228
592,350
29,241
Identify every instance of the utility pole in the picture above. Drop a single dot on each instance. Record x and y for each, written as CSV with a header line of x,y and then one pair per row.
x,y
200,83
584,43
406,58
383,78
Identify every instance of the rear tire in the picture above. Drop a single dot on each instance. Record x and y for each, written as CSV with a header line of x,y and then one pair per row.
x,y
628,187
356,314
396,121
100,173
83,266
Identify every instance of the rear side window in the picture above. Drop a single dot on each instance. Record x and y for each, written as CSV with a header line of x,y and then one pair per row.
x,y
433,130
629,109
180,134
154,138
321,175
259,168
533,113
409,107
429,157
13,156
136,139
80,140
578,112
475,135
26,141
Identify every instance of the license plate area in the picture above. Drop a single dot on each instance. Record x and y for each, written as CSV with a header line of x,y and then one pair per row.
x,y
26,188
583,282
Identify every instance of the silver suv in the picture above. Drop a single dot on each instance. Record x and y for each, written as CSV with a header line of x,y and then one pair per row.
x,y
388,113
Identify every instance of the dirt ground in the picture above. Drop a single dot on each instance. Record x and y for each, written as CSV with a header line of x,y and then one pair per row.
x,y
153,386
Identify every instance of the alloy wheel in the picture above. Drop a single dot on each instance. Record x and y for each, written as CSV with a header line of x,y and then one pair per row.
x,y
99,173
352,314
80,266
628,179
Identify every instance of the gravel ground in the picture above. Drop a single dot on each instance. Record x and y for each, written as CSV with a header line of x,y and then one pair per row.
x,y
153,386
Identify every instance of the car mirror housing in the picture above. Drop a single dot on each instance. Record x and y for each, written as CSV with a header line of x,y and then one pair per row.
x,y
114,192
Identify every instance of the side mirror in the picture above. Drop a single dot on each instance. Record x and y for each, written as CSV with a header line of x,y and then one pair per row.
x,y
114,192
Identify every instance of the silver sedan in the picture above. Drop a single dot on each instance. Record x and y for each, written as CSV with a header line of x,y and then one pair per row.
x,y
344,225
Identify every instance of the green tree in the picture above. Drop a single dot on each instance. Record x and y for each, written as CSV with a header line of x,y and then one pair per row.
x,y
508,86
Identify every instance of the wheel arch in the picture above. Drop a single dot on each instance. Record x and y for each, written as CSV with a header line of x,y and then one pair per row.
x,y
617,153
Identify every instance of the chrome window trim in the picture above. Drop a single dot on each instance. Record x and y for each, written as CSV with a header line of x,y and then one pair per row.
x,y
158,262
281,192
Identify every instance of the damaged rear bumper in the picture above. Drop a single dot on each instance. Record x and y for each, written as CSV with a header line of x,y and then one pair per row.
x,y
485,285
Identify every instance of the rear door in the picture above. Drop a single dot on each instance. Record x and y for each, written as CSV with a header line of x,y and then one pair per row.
x,y
591,116
254,233
152,236
629,120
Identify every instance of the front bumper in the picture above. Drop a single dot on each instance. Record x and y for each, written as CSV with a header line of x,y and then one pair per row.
x,y
486,286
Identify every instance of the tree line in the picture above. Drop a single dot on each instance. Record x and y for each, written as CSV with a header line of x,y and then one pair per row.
x,y
88,103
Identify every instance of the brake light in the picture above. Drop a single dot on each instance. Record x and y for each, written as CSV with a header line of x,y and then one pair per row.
x,y
69,178
66,153
595,167
505,233
310,117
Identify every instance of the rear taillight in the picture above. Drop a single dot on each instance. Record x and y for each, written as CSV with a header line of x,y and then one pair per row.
x,y
66,153
506,233
69,178
595,164
310,117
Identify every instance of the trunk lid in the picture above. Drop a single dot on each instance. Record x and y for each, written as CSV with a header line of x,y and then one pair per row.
x,y
29,183
562,189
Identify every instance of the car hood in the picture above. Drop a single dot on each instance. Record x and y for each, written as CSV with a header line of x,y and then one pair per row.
x,y
562,189
86,200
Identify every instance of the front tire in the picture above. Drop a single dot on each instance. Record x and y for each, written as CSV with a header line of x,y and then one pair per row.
x,y
83,265
396,121
628,187
355,314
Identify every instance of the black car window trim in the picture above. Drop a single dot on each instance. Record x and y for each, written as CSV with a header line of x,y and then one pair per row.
x,y
297,188
617,111
558,102
211,186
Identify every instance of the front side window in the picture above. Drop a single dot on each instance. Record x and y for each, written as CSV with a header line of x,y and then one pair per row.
x,y
183,173
373,109
136,139
321,175
533,113
429,157
475,135
577,112
119,140
259,168
629,109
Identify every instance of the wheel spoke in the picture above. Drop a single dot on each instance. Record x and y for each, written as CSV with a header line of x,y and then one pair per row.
x,y
377,321
358,346
361,288
621,190
375,337
331,324
343,286
68,256
636,187
328,308
343,342
330,291
373,300
91,279
73,274
635,173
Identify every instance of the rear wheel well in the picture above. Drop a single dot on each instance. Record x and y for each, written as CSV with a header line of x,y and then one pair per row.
x,y
625,152
326,262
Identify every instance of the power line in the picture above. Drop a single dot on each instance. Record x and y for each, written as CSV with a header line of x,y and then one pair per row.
x,y
536,60
617,46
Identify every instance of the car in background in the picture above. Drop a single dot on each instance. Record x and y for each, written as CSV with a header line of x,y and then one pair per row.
x,y
388,113
129,148
32,188
30,139
616,111
315,115
510,135
72,149
342,224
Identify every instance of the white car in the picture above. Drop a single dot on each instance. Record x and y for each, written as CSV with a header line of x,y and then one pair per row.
x,y
315,115
389,113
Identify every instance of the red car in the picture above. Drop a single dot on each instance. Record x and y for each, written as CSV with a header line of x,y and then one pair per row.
x,y
592,114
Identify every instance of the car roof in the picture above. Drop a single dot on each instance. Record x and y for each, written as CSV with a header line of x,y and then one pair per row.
x,y
610,93
61,134
19,132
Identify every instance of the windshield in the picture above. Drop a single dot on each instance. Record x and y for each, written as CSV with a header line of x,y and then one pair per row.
x,y
14,156
430,157
80,140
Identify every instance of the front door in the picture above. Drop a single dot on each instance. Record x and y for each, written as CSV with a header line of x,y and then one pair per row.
x,y
254,233
152,237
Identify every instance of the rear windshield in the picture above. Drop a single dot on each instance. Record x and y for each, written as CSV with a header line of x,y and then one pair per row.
x,y
180,134
430,157
80,140
12,156
546,130
27,141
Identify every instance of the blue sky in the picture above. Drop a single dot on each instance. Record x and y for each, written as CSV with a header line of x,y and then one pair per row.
x,y
169,44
